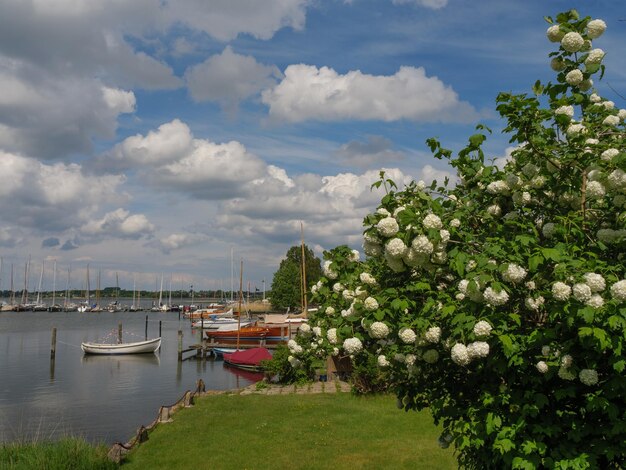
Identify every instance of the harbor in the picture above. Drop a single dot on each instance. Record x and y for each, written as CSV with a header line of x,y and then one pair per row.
x,y
101,398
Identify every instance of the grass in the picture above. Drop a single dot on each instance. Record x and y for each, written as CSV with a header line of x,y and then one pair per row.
x,y
317,431
67,454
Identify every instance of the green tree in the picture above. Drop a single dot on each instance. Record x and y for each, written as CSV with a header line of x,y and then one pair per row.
x,y
286,284
500,303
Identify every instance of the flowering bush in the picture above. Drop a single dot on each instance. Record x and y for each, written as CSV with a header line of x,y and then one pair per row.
x,y
500,303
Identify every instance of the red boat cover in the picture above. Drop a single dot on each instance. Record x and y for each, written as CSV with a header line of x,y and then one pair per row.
x,y
252,356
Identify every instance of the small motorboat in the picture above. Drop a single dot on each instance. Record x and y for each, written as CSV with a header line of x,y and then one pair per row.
x,y
139,347
249,359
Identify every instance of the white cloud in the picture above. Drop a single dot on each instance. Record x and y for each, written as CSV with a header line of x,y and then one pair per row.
x,y
52,198
177,241
119,224
376,151
307,93
10,237
434,4
229,78
226,19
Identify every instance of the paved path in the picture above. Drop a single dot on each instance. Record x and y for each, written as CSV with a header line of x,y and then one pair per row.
x,y
314,387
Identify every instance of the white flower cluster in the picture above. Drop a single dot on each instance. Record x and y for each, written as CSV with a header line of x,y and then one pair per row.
x,y
395,248
564,110
595,28
407,335
618,290
572,42
370,304
329,273
294,347
478,350
367,278
317,331
354,256
554,33
432,221
433,334
304,329
379,330
588,376
463,355
482,329
542,367
495,298
574,77
383,361
534,304
352,345
561,291
294,362
421,244
388,227
595,57
498,187
330,311
514,273
331,335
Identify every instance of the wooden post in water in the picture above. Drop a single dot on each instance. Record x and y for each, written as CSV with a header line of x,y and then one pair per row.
x,y
180,345
53,344
119,333
146,333
160,328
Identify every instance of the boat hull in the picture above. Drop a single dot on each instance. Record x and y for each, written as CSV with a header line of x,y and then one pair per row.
x,y
140,347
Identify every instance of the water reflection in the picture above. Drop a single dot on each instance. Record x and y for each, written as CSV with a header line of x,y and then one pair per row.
x,y
103,398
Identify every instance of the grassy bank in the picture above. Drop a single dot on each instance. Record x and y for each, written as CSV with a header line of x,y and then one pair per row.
x,y
67,454
322,431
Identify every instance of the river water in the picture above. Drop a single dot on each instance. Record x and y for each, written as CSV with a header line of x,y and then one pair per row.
x,y
101,398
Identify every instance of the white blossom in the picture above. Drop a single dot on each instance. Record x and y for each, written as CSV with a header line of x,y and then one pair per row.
x,y
338,287
572,42
382,361
595,190
304,329
478,349
330,310
554,33
407,335
331,334
410,359
498,187
595,28
482,328
494,210
433,334
317,331
611,120
588,376
574,77
618,290
372,249
370,304
460,355
595,282
367,278
534,304
455,223
495,298
581,292
432,221
421,244
348,294
561,291
395,248
354,256
595,301
444,235
327,271
352,345
545,350
379,330
566,373
617,179
575,129
542,367
567,361
383,211
388,227
565,110
514,273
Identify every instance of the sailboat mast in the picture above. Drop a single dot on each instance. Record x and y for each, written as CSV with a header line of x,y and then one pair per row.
x,y
38,301
303,268
240,298
88,294
54,282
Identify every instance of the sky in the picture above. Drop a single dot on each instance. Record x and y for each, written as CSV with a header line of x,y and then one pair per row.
x,y
184,138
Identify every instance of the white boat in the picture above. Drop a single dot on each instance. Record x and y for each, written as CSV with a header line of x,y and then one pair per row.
x,y
139,347
221,324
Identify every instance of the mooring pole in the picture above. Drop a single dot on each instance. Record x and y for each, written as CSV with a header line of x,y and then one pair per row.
x,y
53,344
180,345
160,328
119,333
147,328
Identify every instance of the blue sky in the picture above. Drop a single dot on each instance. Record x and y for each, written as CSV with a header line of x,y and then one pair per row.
x,y
151,136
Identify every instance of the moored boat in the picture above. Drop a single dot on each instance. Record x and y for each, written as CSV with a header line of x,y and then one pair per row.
x,y
249,359
138,347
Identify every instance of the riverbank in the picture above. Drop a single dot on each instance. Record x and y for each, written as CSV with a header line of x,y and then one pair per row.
x,y
310,427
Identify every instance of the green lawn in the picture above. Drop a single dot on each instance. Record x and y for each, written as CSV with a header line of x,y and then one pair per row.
x,y
317,431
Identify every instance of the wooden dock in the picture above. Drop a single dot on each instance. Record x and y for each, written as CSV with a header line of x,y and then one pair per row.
x,y
205,349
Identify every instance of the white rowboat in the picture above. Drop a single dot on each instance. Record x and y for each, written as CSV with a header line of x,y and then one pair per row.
x,y
139,347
